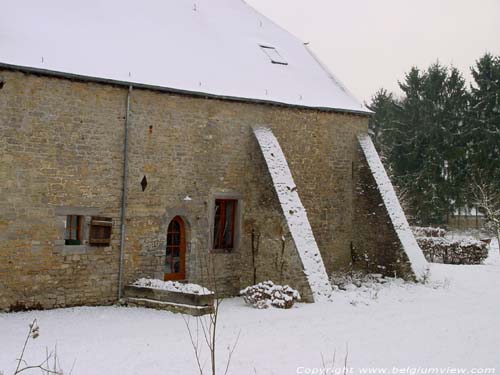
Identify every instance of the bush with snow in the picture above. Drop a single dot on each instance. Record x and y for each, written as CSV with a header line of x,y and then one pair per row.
x,y
265,294
438,247
355,279
453,251
428,232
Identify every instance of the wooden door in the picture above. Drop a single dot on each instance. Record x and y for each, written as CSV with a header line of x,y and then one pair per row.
x,y
175,256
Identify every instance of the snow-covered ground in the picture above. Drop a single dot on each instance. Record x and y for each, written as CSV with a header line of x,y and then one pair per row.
x,y
452,321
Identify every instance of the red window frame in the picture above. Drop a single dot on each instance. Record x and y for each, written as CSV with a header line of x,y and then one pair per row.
x,y
171,246
220,217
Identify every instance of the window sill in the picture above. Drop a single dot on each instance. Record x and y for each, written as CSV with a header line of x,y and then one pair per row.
x,y
73,249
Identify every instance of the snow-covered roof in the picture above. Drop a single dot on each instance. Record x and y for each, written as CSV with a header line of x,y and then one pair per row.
x,y
215,47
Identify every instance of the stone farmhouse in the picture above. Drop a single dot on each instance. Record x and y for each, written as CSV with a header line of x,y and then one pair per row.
x,y
149,139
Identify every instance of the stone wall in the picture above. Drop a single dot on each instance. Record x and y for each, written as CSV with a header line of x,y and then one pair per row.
x,y
61,148
376,247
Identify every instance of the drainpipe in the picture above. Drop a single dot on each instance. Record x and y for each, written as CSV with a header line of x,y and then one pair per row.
x,y
124,195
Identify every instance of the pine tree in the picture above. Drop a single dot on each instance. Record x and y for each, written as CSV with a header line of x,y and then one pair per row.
x,y
420,138
484,132
383,105
455,141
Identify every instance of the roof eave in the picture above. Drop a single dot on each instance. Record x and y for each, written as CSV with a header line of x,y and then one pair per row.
x,y
79,77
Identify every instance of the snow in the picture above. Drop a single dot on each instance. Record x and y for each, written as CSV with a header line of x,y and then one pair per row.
x,y
295,214
172,286
418,262
462,242
428,231
206,46
266,293
468,211
164,303
494,257
452,321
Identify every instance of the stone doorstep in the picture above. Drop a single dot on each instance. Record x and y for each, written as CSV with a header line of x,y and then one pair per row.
x,y
168,306
169,296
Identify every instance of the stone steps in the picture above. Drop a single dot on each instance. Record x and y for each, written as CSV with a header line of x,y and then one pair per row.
x,y
169,306
178,302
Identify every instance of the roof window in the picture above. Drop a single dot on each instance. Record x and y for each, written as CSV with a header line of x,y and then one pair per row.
x,y
273,55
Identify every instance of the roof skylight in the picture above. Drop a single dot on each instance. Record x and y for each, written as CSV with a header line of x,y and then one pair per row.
x,y
273,55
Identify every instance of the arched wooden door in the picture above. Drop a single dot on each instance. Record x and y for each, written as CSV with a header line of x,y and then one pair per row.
x,y
175,256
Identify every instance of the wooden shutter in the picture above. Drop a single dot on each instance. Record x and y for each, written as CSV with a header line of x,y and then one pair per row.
x,y
100,231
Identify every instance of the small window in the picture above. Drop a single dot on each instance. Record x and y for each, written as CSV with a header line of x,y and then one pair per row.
x,y
73,234
100,231
224,223
273,55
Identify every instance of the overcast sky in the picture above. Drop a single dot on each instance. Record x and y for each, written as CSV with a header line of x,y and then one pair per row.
x,y
370,44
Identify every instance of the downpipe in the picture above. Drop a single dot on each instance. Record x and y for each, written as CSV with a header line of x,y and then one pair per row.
x,y
124,196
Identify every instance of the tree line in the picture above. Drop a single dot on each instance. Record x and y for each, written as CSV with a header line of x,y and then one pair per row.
x,y
440,140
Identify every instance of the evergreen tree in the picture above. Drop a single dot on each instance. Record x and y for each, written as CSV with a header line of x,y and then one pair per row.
x,y
440,140
455,142
421,139
484,130
383,105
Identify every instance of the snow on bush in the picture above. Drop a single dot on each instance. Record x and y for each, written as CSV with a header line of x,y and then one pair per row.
x,y
355,279
359,288
172,286
438,248
265,294
450,251
428,232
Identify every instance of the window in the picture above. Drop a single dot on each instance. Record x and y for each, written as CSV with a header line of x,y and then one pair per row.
x,y
73,234
100,231
224,223
273,55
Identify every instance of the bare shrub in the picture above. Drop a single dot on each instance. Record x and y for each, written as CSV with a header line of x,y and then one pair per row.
x,y
204,334
487,198
50,365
